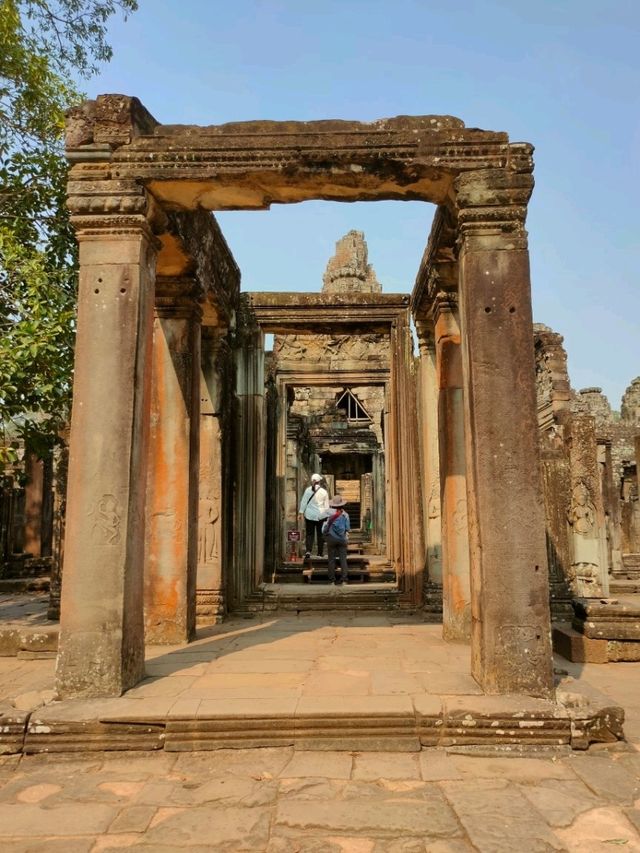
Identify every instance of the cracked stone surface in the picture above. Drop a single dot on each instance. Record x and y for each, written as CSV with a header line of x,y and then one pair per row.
x,y
282,801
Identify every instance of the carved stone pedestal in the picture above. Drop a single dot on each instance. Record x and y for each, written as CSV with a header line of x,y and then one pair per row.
x,y
209,606
631,566
603,630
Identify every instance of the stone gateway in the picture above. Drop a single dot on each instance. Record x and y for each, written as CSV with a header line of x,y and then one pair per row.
x,y
171,425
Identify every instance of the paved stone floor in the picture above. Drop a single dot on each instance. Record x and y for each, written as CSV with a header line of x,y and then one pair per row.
x,y
280,800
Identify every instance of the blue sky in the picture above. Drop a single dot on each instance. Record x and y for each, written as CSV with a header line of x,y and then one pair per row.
x,y
564,76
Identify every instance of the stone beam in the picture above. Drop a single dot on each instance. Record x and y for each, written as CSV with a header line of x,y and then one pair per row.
x,y
439,265
193,246
313,313
251,165
428,428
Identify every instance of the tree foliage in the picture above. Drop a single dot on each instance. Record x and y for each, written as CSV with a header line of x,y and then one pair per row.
x,y
46,46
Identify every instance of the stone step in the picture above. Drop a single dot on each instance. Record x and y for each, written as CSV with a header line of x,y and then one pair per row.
x,y
631,566
624,586
362,569
26,567
352,723
300,597
24,584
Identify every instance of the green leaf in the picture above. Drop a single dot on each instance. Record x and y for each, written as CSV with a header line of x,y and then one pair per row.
x,y
46,45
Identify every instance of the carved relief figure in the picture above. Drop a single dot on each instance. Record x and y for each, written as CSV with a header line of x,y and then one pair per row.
x,y
522,646
433,507
582,517
583,512
332,347
460,516
106,526
208,516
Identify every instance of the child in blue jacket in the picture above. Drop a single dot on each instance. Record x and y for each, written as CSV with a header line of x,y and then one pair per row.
x,y
336,532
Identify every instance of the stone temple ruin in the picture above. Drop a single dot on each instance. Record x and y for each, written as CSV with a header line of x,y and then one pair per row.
x,y
190,445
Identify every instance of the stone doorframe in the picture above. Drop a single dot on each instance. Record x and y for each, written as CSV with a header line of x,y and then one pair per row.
x,y
132,183
356,314
408,583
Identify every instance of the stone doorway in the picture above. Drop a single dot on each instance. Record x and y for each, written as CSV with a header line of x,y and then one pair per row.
x,y
155,271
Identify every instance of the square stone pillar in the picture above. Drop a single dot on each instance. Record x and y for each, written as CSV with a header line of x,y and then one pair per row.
x,y
428,428
589,564
405,532
511,642
33,505
456,584
210,594
101,648
172,486
250,462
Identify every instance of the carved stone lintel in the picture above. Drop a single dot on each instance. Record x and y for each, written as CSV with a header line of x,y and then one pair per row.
x,y
332,349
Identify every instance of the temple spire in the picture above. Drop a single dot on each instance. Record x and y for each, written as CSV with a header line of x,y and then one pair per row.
x,y
348,271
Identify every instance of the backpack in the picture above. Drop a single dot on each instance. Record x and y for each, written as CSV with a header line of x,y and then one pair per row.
x,y
326,527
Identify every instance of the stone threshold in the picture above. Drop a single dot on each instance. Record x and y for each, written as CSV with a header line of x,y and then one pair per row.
x,y
299,597
9,585
398,723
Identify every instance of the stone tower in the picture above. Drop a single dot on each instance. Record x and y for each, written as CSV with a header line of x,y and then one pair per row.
x,y
630,410
348,271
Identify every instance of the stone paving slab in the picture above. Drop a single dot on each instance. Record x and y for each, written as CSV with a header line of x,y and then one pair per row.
x,y
498,817
276,800
24,627
308,682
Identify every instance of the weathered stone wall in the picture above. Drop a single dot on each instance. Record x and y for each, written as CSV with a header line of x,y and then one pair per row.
x,y
589,473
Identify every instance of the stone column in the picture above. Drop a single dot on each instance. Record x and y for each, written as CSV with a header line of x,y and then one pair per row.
x,y
249,497
590,577
634,527
210,596
556,486
406,538
456,584
611,504
60,474
101,649
33,505
428,429
510,641
378,510
172,485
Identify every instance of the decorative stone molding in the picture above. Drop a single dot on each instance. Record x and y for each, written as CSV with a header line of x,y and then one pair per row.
x,y
491,207
552,379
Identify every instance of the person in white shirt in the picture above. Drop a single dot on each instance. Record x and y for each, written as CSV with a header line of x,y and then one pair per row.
x,y
314,508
